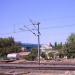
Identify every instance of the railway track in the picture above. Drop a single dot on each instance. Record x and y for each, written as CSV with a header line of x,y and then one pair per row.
x,y
37,66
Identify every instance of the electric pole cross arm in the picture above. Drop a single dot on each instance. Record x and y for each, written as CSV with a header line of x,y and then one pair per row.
x,y
29,30
37,28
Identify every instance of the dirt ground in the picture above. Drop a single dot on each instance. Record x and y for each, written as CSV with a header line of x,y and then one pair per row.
x,y
37,72
54,73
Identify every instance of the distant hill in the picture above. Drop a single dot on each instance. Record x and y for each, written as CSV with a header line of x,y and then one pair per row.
x,y
29,46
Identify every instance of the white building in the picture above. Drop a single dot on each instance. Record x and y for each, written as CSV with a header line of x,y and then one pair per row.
x,y
47,48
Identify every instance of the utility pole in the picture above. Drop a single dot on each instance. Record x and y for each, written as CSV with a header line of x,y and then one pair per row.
x,y
36,34
38,43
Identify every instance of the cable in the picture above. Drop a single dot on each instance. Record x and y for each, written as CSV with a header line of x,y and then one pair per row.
x,y
60,26
29,30
33,24
44,28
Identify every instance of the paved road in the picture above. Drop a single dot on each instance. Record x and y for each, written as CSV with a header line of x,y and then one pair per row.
x,y
37,66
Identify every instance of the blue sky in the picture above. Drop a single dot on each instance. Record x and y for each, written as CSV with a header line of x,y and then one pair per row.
x,y
57,18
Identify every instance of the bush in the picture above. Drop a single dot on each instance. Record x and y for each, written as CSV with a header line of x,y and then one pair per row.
x,y
32,56
51,55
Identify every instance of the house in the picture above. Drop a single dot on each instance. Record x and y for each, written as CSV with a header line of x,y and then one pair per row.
x,y
47,48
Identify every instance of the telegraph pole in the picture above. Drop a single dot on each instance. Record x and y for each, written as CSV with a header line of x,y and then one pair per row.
x,y
38,35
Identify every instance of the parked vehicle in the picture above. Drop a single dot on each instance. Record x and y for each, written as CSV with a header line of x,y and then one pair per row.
x,y
13,56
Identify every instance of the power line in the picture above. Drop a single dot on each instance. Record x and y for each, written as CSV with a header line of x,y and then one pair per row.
x,y
41,28
38,36
30,30
64,17
10,33
57,27
33,24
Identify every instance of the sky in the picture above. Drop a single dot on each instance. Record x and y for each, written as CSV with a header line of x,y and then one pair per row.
x,y
56,17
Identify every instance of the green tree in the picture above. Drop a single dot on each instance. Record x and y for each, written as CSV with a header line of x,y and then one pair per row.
x,y
70,46
33,55
8,45
58,46
51,55
71,38
43,55
55,45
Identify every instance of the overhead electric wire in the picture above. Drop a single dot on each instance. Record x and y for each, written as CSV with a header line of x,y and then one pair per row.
x,y
33,24
41,28
23,29
29,30
57,27
10,33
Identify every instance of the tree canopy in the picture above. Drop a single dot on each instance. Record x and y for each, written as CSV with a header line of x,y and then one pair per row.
x,y
70,46
33,55
8,45
71,38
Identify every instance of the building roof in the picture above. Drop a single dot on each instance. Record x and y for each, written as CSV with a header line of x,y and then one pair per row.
x,y
23,53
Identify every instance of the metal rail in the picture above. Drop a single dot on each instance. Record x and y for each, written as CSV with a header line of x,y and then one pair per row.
x,y
36,66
